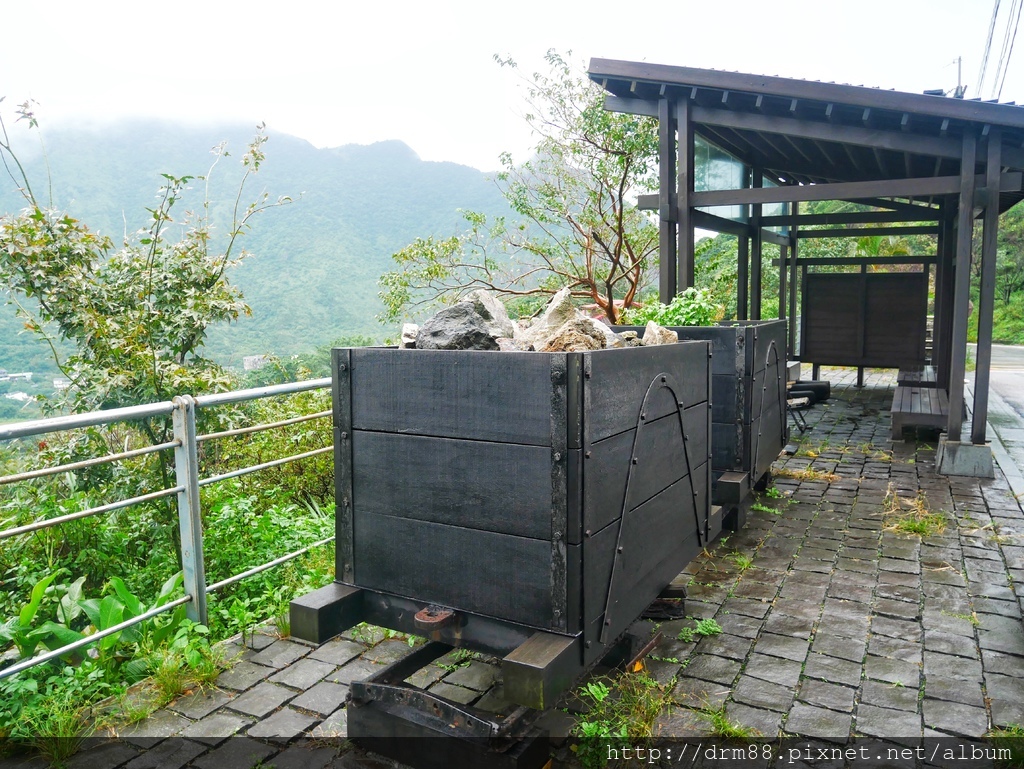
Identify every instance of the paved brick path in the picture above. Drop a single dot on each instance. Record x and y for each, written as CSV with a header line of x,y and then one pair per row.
x,y
838,627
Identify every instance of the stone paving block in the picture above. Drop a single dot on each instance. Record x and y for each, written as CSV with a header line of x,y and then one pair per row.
x,y
783,646
476,675
239,753
169,754
947,622
826,642
884,695
897,606
785,625
217,727
1004,664
797,608
710,667
763,694
454,693
324,698
955,718
960,668
281,654
909,595
1006,697
303,674
356,670
1002,608
755,590
243,675
766,722
848,590
200,702
827,695
335,725
104,755
775,669
832,669
897,628
262,699
747,607
388,651
304,756
887,724
337,651
694,693
737,625
158,727
953,690
894,671
282,726
949,643
677,722
494,701
425,676
1004,636
821,723
894,648
725,645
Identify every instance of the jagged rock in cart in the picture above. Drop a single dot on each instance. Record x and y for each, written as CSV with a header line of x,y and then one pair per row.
x,y
576,335
560,310
459,327
409,332
630,339
611,339
655,334
490,308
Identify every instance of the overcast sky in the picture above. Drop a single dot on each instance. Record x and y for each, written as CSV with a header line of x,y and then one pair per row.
x,y
423,72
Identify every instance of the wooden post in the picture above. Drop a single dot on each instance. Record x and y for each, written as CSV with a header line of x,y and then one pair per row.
x,y
793,250
986,294
783,288
962,286
742,276
943,324
668,280
684,189
756,250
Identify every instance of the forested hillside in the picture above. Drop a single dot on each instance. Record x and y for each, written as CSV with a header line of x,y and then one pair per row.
x,y
312,276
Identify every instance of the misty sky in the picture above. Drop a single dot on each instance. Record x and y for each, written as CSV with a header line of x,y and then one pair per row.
x,y
423,72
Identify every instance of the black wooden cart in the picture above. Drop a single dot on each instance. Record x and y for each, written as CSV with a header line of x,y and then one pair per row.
x,y
748,412
527,505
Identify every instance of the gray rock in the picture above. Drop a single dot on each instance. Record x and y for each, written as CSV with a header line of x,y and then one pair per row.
x,y
655,334
492,311
560,310
573,336
459,327
611,339
409,332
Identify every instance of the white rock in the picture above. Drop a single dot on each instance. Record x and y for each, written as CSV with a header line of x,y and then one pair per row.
x,y
559,311
409,332
655,334
492,311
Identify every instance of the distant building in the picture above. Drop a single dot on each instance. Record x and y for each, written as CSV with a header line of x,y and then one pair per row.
x,y
60,384
18,396
255,362
25,376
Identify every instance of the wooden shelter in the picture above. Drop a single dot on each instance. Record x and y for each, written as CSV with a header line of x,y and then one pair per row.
x,y
740,152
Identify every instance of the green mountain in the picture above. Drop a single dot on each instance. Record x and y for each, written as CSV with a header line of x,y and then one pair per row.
x,y
312,275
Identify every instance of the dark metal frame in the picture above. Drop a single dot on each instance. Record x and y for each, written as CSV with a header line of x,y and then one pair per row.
x,y
913,157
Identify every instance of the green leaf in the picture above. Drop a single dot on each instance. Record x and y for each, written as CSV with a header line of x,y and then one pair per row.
x,y
28,612
132,606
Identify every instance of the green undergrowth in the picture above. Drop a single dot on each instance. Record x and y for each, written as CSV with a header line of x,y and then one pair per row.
x,y
619,713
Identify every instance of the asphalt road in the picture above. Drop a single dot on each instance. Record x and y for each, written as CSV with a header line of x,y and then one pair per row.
x,y
1007,375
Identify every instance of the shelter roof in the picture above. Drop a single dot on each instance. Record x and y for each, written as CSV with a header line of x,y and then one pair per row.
x,y
814,132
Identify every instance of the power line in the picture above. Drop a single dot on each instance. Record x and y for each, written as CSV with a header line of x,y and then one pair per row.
x,y
1008,41
988,47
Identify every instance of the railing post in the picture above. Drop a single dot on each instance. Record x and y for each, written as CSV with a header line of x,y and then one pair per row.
x,y
186,469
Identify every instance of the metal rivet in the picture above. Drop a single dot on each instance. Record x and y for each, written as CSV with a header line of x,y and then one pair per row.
x,y
634,460
587,455
618,550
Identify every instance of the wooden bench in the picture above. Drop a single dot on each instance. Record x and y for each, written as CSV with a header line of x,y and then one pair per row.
x,y
914,406
926,376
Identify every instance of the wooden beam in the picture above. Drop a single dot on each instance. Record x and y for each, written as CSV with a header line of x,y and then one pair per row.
x,y
708,221
742,276
940,185
829,132
862,232
757,242
851,217
849,261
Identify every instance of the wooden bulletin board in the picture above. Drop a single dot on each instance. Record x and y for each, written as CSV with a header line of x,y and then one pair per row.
x,y
876,319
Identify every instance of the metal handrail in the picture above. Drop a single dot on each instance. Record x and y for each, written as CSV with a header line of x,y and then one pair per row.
x,y
185,443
